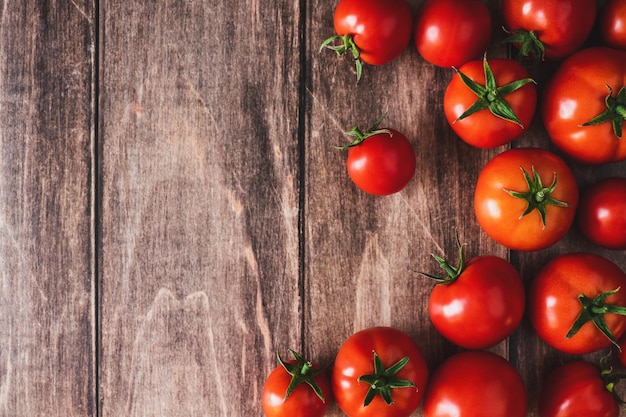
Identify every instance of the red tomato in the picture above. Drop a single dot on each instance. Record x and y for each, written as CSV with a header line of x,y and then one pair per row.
x,y
379,372
567,298
588,84
374,31
612,22
602,213
380,161
296,388
550,29
448,33
506,102
475,384
577,389
478,304
526,199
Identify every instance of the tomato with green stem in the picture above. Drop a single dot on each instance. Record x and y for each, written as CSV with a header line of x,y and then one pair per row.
x,y
489,103
296,388
577,303
379,371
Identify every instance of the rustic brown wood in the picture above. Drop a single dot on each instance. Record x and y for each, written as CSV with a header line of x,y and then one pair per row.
x,y
47,323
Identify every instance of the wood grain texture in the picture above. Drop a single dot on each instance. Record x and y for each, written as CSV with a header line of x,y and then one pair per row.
x,y
47,323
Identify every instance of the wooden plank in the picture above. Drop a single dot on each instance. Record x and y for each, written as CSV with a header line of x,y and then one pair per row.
x,y
47,322
200,190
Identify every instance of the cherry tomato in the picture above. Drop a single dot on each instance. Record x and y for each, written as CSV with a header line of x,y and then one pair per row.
x,y
576,389
526,198
379,372
475,384
448,33
583,106
479,304
490,102
612,23
577,303
602,213
373,31
380,161
548,29
296,388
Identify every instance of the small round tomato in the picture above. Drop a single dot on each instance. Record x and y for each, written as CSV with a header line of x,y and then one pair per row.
x,y
379,372
550,29
526,199
373,31
602,213
380,161
612,23
475,384
583,106
489,103
448,33
296,388
479,304
577,303
579,388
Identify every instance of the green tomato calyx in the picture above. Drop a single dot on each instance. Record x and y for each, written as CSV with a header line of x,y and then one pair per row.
x,y
610,379
383,380
360,136
537,196
615,111
593,310
301,372
528,44
491,96
452,272
343,44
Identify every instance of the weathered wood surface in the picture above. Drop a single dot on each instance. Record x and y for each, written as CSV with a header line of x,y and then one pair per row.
x,y
173,212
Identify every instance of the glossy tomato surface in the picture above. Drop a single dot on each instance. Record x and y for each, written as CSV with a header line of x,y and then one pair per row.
x,y
561,26
449,33
501,215
554,305
475,384
381,29
576,389
482,306
576,94
602,213
612,23
355,359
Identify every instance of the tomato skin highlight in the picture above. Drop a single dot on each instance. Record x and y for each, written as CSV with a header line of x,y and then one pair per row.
x,y
355,359
449,33
482,306
500,214
576,389
601,213
381,29
475,384
574,95
612,23
553,304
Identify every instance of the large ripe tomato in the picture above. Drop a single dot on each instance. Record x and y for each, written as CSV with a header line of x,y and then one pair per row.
x,y
448,33
526,198
475,384
479,304
579,388
612,23
379,372
489,103
380,161
602,213
550,29
584,106
577,303
373,31
296,388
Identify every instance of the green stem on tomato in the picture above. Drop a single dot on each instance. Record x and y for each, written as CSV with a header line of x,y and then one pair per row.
x,y
615,111
383,380
346,43
302,372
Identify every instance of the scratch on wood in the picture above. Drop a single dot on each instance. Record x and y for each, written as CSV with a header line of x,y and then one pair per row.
x,y
260,311
82,12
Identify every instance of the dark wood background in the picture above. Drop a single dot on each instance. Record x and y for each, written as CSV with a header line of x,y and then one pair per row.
x,y
173,212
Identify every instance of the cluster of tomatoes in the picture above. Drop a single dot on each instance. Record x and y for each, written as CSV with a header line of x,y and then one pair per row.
x,y
525,199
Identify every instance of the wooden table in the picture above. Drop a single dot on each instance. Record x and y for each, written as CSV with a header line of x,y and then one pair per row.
x,y
173,211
